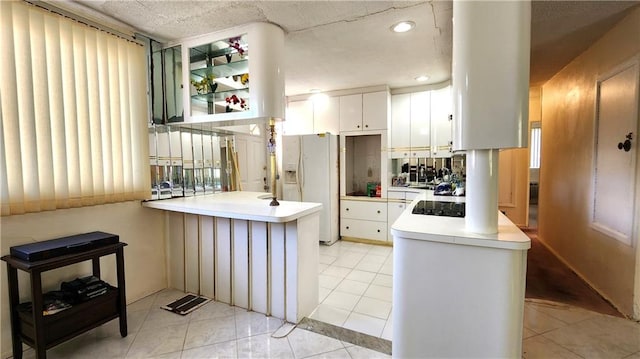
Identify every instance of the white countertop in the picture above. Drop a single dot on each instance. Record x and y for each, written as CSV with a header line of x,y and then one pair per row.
x,y
452,229
237,205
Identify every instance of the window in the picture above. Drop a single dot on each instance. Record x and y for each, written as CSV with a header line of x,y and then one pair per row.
x,y
534,160
74,113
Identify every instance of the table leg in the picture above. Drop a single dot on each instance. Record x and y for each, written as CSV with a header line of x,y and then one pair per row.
x,y
14,300
122,302
96,267
38,320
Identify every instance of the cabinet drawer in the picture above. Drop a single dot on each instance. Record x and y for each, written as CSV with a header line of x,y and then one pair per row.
x,y
362,229
392,194
367,210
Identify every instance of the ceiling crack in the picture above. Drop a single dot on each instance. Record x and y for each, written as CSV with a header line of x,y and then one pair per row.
x,y
358,18
435,18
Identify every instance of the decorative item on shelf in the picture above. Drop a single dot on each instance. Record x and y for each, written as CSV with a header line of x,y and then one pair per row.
x,y
235,43
234,100
244,78
206,85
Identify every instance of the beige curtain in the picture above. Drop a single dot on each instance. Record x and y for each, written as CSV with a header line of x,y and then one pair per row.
x,y
73,125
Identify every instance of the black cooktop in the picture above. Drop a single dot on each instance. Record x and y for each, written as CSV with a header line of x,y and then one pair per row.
x,y
438,208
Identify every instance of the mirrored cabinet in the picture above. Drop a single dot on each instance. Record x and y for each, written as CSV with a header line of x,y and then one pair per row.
x,y
191,160
219,76
166,84
235,76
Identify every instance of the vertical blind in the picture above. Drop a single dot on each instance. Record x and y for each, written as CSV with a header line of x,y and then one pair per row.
x,y
73,119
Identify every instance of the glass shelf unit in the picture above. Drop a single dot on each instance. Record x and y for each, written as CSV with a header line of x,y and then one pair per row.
x,y
237,68
219,76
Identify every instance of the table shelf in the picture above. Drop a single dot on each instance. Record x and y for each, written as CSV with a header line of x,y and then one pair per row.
x,y
43,332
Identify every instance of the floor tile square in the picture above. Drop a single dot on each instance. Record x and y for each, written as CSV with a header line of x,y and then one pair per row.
x,y
361,276
352,287
264,346
323,293
252,323
207,332
327,259
383,280
341,300
337,271
368,266
328,281
158,341
373,307
541,347
305,343
365,324
379,292
330,314
220,350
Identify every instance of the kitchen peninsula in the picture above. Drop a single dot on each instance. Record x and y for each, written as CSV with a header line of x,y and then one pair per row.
x,y
470,289
235,248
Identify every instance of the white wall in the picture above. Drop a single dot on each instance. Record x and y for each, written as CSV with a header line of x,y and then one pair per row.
x,y
141,228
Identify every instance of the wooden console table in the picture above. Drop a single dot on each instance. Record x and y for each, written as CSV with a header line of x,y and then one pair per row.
x,y
44,332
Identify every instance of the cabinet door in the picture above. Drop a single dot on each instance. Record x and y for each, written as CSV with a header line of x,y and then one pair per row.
x,y
375,110
326,115
298,118
351,113
441,108
420,124
400,126
394,210
373,211
363,229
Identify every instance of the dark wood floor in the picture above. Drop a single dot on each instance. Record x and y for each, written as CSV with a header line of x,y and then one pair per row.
x,y
549,279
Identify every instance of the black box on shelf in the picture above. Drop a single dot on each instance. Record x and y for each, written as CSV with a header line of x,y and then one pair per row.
x,y
66,245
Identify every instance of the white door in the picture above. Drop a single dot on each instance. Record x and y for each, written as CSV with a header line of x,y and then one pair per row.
x,y
615,165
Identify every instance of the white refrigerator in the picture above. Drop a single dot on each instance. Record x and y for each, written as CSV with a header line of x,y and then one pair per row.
x,y
310,168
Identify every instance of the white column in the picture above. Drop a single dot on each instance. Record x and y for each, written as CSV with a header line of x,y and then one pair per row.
x,y
481,205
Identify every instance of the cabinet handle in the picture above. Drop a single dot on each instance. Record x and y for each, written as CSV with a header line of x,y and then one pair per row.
x,y
378,231
347,209
358,126
378,211
347,227
367,126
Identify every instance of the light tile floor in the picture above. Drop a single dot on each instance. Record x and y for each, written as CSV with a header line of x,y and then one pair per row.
x,y
355,287
215,330
355,293
357,298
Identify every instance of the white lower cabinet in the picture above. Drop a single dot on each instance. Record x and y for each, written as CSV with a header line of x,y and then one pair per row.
x,y
394,210
359,228
364,219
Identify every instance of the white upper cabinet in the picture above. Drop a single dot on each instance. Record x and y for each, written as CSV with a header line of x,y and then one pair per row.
x,y
350,113
400,145
298,118
441,130
410,125
364,112
420,124
375,110
316,115
326,115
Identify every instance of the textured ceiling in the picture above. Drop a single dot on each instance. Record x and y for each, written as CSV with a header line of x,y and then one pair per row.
x,y
333,45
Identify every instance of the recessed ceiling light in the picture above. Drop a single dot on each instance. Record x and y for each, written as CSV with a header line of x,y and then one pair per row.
x,y
422,78
403,26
